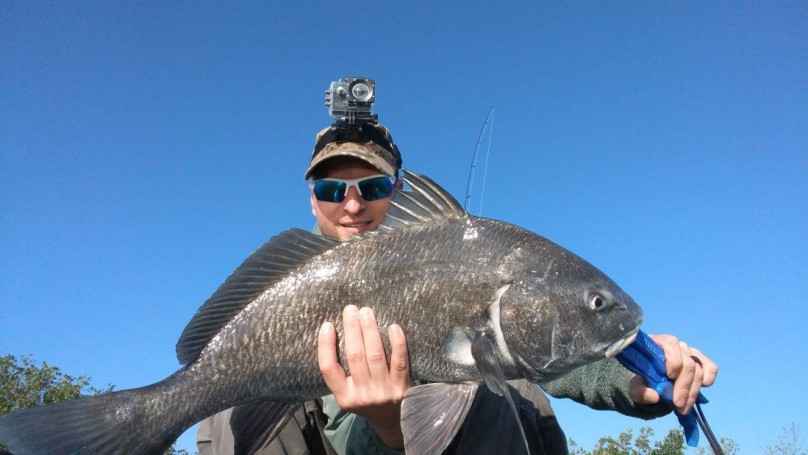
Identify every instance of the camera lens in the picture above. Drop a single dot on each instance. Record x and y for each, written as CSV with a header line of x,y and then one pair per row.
x,y
361,91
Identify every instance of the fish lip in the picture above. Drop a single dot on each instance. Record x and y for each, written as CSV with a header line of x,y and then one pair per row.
x,y
616,347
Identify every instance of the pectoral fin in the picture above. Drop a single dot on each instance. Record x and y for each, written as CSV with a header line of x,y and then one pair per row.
x,y
482,349
432,414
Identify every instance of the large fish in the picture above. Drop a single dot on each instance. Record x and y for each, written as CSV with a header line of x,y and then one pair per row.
x,y
480,300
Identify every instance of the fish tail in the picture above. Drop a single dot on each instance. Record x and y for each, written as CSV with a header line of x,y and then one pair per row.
x,y
125,422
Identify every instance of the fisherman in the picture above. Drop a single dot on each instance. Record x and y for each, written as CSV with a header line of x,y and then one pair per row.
x,y
352,183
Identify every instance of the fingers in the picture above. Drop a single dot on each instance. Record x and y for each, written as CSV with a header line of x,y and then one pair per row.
x,y
328,360
354,344
709,367
687,374
686,387
673,355
375,357
368,377
399,357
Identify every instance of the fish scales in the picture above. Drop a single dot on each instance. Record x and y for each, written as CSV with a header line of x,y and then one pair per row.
x,y
462,285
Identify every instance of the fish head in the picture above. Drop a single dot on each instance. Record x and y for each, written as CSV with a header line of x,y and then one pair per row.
x,y
560,312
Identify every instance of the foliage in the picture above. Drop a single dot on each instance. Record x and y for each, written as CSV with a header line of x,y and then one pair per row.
x,y
174,451
627,444
23,384
729,446
788,443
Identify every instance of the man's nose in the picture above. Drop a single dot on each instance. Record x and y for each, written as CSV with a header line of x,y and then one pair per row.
x,y
353,201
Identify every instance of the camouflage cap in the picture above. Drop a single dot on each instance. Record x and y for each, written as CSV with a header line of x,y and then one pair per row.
x,y
374,145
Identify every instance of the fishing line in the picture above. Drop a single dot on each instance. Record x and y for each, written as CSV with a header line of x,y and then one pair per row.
x,y
487,154
470,181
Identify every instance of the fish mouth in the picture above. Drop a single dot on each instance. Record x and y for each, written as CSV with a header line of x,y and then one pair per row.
x,y
621,344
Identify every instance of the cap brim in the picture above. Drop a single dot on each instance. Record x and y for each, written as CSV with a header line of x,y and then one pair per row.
x,y
375,156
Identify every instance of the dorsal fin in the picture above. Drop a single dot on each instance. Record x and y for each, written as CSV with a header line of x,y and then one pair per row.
x,y
426,202
265,267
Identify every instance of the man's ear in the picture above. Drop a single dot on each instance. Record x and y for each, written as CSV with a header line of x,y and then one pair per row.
x,y
313,201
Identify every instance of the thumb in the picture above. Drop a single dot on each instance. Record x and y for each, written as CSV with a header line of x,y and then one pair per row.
x,y
639,392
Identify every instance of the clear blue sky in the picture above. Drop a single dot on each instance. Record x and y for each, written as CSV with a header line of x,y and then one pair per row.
x,y
148,147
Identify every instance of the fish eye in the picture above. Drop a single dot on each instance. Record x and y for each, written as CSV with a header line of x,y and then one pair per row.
x,y
597,302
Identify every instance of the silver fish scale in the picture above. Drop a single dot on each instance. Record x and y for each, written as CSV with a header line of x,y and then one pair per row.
x,y
429,280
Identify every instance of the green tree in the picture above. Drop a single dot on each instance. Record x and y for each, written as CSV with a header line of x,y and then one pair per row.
x,y
174,451
729,446
788,443
24,384
627,444
643,444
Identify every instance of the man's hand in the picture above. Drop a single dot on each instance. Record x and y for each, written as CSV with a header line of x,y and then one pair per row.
x,y
687,375
372,390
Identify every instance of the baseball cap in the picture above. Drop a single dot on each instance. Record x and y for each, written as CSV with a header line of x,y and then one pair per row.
x,y
371,143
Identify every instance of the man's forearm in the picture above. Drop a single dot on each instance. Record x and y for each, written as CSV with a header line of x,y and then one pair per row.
x,y
602,385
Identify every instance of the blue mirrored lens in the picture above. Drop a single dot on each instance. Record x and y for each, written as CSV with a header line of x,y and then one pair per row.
x,y
329,190
375,188
371,189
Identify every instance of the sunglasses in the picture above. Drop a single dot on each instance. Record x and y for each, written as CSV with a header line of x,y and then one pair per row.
x,y
370,188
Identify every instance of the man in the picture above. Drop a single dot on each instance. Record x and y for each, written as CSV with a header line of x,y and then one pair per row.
x,y
352,183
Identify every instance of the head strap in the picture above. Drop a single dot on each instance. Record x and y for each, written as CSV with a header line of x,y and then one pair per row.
x,y
361,133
